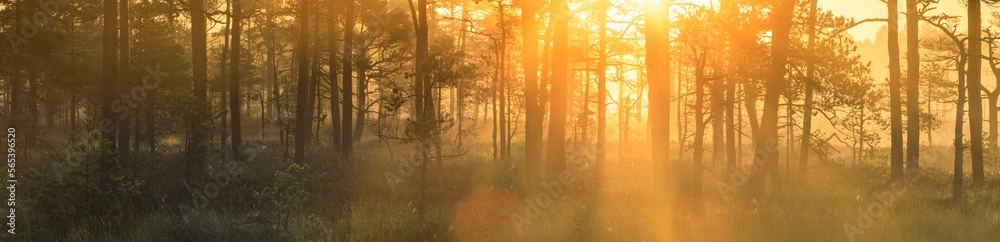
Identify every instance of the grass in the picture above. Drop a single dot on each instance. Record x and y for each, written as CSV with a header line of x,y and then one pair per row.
x,y
479,199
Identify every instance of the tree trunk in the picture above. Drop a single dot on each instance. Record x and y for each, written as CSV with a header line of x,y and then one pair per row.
x,y
423,101
502,67
699,124
767,152
151,121
975,92
959,125
896,123
545,74
533,114
335,121
912,88
557,118
602,83
347,104
315,107
658,72
199,61
302,109
234,79
124,87
993,109
807,109
359,125
717,107
272,72
108,85
31,139
222,66
682,109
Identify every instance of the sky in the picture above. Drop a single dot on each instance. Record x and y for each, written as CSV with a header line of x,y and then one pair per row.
x,y
864,9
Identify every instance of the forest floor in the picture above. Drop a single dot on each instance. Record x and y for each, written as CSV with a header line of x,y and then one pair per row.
x,y
477,199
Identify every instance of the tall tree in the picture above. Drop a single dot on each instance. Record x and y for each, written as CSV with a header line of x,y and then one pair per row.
x,y
123,76
959,128
108,85
602,80
335,120
774,86
730,11
960,58
912,87
658,75
699,122
423,104
810,81
234,77
223,59
199,71
975,91
533,114
302,108
895,109
347,103
110,71
556,161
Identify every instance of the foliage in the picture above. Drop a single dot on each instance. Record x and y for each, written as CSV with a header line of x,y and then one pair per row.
x,y
278,204
69,189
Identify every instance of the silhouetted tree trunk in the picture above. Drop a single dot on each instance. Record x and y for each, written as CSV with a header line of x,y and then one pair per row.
x,y
223,59
810,81
994,98
699,123
315,107
460,90
33,125
423,104
151,121
74,109
602,82
975,92
335,119
15,88
502,81
109,71
271,73
959,126
199,61
533,114
912,88
896,116
560,69
359,125
545,73
347,103
717,108
234,77
124,85
658,78
767,138
302,108
108,85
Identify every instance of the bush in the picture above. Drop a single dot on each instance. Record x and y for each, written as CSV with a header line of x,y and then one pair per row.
x,y
276,204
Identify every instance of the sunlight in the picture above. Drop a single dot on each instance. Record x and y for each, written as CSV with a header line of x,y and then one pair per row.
x,y
699,2
500,120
